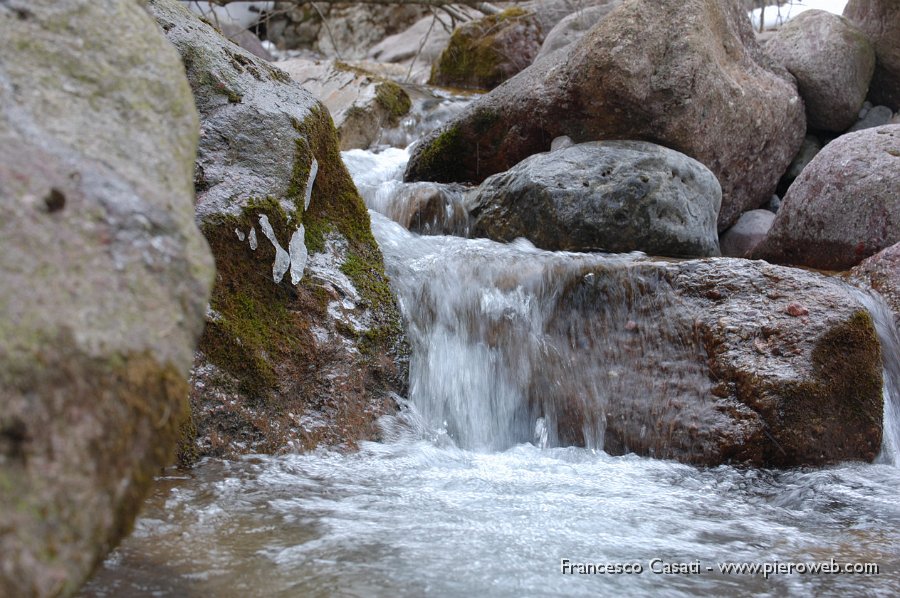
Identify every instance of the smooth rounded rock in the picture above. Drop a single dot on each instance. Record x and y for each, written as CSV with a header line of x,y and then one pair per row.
x,y
880,20
833,62
843,207
613,196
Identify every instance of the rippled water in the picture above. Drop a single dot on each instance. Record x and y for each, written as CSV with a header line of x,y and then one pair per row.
x,y
417,514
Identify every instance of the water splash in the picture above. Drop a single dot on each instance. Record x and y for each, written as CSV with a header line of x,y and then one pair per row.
x,y
889,336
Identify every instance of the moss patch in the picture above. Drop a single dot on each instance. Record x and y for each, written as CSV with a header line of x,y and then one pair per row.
x,y
393,98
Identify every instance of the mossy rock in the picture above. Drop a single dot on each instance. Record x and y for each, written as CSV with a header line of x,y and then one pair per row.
x,y
482,54
282,366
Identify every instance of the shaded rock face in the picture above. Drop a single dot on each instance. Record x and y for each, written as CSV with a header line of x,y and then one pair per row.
x,y
482,54
880,20
615,196
748,232
303,343
721,361
573,27
360,103
104,280
833,62
687,75
843,207
882,273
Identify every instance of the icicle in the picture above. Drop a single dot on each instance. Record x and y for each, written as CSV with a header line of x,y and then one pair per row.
x,y
253,243
297,249
282,258
313,171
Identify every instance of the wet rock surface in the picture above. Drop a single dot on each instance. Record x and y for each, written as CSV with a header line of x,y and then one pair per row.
x,y
717,361
105,280
303,344
843,207
656,71
882,273
615,196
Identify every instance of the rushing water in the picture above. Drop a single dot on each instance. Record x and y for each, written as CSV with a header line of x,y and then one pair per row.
x,y
467,494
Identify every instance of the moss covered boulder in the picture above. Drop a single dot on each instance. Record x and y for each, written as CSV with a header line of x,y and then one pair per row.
x,y
484,53
688,75
104,280
361,103
304,342
715,361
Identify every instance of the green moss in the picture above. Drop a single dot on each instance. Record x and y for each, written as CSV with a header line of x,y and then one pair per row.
x,y
473,58
393,98
439,158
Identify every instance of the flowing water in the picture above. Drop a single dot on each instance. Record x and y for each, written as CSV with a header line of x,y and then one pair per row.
x,y
470,492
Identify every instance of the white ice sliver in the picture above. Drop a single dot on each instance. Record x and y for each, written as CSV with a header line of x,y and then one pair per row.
x,y
297,249
282,258
313,171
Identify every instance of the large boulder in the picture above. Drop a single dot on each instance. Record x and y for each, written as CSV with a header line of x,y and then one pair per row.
x,y
843,207
880,20
716,361
482,54
303,343
615,196
104,280
361,103
833,62
882,273
687,75
573,27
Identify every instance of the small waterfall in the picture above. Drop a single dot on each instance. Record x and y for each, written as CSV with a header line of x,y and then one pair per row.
x,y
889,336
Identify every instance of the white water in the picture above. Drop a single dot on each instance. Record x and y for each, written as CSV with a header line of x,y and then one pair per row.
x,y
419,515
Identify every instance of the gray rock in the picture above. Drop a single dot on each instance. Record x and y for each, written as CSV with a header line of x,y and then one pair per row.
x,y
416,48
104,280
843,207
284,361
876,116
748,232
574,26
561,142
245,39
613,196
880,20
833,62
652,70
361,103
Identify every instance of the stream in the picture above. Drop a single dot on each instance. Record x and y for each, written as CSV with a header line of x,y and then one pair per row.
x,y
469,494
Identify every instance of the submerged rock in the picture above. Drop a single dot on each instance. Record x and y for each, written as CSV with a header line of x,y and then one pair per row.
x,y
104,280
482,54
314,355
615,196
716,361
833,62
685,74
361,103
843,207
880,20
